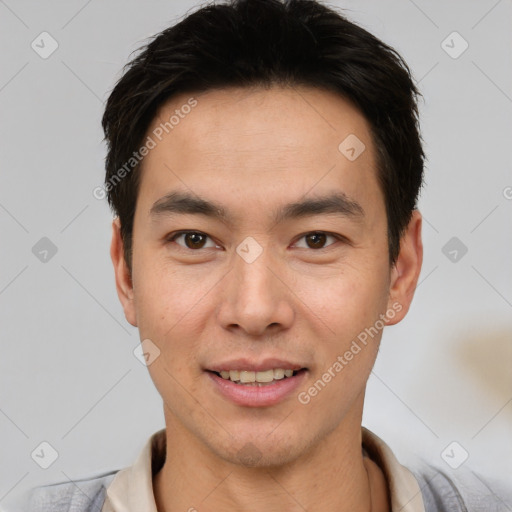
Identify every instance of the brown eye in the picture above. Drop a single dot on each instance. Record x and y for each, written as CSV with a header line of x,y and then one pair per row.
x,y
316,240
192,239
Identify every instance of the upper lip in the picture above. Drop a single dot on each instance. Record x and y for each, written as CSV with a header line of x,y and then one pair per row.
x,y
255,366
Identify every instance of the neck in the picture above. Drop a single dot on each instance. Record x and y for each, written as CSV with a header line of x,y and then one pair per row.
x,y
332,476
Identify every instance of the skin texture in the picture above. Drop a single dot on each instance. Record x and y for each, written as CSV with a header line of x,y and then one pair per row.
x,y
253,150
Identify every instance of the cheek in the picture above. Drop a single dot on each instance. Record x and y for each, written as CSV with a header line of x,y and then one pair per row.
x,y
168,297
350,306
169,313
348,300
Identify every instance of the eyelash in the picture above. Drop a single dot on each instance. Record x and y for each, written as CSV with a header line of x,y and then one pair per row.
x,y
172,237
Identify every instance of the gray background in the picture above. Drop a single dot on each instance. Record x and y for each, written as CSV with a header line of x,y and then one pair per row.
x,y
68,373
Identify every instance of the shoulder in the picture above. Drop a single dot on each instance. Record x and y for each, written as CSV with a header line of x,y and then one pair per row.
x,y
82,495
461,490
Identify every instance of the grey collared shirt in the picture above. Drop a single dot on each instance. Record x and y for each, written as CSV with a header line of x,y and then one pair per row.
x,y
426,489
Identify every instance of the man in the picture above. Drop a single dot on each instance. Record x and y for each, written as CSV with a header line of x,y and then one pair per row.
x,y
264,163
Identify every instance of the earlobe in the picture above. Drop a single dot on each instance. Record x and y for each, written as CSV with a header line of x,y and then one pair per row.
x,y
122,273
406,271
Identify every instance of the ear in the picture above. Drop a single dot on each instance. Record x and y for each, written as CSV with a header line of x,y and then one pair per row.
x,y
406,270
124,284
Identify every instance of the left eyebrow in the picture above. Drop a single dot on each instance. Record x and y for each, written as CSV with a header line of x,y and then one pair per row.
x,y
185,203
336,203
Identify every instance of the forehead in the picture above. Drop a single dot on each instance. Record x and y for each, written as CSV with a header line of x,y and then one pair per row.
x,y
247,139
223,119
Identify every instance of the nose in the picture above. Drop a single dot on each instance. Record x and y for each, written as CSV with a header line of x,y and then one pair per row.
x,y
256,298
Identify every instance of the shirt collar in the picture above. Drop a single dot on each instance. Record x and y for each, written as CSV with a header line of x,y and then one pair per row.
x,y
131,490
403,487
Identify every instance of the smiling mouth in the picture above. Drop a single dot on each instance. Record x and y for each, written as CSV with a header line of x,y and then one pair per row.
x,y
253,378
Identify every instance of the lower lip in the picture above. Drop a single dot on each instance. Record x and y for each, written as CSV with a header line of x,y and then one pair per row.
x,y
258,396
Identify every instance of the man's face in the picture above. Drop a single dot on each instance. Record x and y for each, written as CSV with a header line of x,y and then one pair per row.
x,y
248,288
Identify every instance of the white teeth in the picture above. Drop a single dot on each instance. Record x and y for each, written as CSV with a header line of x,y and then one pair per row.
x,y
246,376
266,376
279,374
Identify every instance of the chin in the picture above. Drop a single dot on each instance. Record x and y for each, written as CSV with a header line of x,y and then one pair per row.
x,y
261,450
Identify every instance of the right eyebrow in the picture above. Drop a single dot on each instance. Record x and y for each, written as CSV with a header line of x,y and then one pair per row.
x,y
185,203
